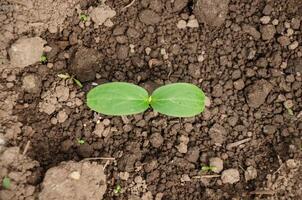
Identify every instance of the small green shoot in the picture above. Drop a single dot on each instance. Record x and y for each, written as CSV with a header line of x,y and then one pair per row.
x,y
120,98
290,111
117,189
83,17
81,141
6,183
206,168
68,77
43,59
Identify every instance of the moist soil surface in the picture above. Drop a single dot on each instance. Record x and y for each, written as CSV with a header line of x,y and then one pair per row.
x,y
247,60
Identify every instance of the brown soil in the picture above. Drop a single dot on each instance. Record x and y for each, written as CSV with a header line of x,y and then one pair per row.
x,y
248,61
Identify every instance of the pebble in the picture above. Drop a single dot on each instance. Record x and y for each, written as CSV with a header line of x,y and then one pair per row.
x,y
265,19
250,173
217,163
268,32
101,14
288,104
293,45
31,83
182,24
148,50
149,17
124,175
275,22
218,134
193,23
283,40
230,176
156,140
291,163
106,122
53,121
239,84
182,148
62,116
257,93
75,175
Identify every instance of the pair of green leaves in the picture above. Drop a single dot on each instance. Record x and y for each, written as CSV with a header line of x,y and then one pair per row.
x,y
119,98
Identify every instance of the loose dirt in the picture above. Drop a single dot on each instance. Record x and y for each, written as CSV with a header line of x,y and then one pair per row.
x,y
245,55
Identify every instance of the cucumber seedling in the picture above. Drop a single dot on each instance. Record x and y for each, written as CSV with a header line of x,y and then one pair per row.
x,y
43,59
205,168
117,189
83,17
6,183
119,98
68,77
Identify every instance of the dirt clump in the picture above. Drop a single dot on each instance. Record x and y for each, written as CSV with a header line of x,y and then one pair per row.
x,y
211,12
257,93
74,181
22,172
26,51
84,62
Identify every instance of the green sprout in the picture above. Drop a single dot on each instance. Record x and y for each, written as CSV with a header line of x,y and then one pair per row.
x,y
81,141
6,183
117,189
206,168
119,98
83,17
43,59
68,77
290,111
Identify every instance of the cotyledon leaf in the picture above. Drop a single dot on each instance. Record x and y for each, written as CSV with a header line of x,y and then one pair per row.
x,y
118,98
178,100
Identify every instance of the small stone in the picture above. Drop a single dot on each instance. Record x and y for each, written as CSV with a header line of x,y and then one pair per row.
x,y
291,163
149,17
32,83
181,24
283,40
108,23
122,52
217,163
289,32
106,122
250,173
26,51
230,176
182,148
239,84
265,19
257,93
124,175
288,104
251,31
99,129
53,121
275,22
200,58
102,13
148,50
269,129
293,45
156,140
217,134
193,23
185,178
295,23
75,175
62,116
268,32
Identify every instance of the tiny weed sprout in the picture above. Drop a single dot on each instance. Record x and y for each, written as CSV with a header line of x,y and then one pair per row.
x,y
81,141
119,98
206,169
290,112
43,59
6,183
68,77
117,189
83,17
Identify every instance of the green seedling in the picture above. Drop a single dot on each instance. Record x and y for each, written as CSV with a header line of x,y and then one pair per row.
x,y
119,98
6,183
206,168
117,189
81,141
290,111
83,17
68,77
43,59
